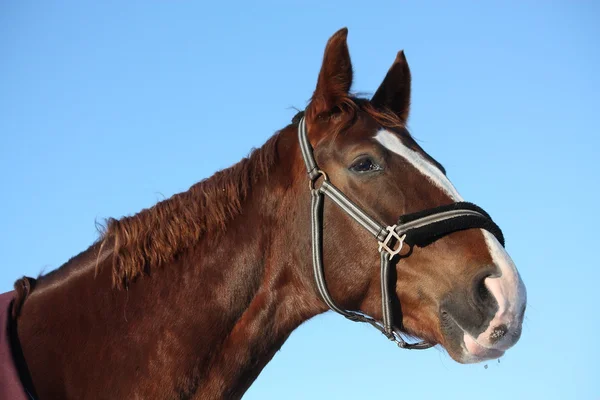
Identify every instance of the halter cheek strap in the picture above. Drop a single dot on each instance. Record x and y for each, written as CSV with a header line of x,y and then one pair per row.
x,y
420,229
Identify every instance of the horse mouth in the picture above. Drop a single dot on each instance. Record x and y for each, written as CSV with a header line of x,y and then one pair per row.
x,y
474,352
463,347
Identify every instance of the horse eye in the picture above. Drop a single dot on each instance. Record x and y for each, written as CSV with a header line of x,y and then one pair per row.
x,y
363,165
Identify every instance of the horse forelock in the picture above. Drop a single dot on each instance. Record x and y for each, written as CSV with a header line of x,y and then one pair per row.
x,y
349,108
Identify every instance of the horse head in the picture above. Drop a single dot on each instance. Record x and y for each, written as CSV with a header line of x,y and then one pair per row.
x,y
460,287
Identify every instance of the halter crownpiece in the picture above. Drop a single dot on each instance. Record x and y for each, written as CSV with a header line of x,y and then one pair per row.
x,y
416,229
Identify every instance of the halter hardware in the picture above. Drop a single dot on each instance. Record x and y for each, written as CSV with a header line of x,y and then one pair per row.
x,y
318,174
384,246
419,229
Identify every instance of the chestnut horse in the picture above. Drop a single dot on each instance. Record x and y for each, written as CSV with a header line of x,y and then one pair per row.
x,y
191,298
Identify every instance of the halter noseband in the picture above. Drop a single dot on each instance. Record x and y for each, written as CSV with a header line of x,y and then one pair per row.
x,y
420,229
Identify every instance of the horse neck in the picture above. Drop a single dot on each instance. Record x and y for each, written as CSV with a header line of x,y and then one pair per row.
x,y
201,327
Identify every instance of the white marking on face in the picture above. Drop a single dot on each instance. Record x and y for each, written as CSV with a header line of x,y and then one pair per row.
x,y
509,292
393,143
508,289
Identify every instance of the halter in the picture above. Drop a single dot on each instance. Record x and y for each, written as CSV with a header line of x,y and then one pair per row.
x,y
420,229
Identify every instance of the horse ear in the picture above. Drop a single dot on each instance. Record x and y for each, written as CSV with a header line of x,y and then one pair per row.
x,y
335,77
394,92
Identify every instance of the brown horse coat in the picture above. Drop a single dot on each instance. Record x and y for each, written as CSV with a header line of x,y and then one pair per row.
x,y
11,387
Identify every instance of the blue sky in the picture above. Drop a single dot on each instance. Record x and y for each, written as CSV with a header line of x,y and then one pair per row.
x,y
106,108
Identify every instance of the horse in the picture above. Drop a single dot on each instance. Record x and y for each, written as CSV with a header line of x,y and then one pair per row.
x,y
192,297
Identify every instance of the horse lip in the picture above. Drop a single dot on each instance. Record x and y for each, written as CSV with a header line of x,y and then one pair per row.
x,y
472,351
477,352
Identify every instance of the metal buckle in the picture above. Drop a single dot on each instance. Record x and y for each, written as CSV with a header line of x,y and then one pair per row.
x,y
311,182
392,234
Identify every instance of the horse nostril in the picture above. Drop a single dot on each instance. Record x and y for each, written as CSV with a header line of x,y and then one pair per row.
x,y
483,299
498,333
483,292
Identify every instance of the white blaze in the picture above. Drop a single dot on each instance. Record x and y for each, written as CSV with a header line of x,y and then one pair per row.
x,y
393,143
508,289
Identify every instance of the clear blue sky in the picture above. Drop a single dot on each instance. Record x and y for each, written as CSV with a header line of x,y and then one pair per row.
x,y
107,108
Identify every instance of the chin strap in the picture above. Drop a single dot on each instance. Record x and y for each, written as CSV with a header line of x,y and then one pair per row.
x,y
419,229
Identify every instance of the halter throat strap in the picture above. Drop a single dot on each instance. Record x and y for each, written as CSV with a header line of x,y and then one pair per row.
x,y
420,229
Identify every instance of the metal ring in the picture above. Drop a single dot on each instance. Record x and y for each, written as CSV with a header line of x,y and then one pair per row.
x,y
311,183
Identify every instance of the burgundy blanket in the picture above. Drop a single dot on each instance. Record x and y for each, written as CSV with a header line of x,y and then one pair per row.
x,y
11,387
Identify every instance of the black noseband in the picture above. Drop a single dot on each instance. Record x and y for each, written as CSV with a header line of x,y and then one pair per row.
x,y
417,229
430,232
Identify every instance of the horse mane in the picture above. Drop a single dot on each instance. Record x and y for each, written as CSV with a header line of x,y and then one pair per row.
x,y
157,235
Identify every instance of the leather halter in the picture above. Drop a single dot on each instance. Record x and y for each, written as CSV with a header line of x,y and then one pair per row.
x,y
419,229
